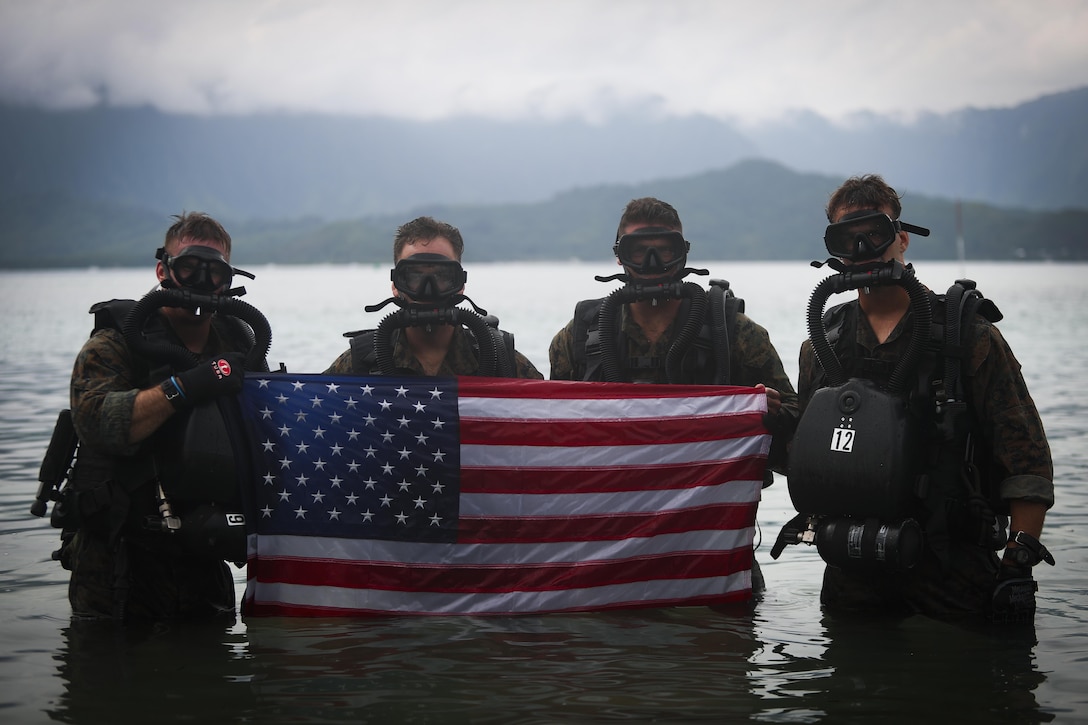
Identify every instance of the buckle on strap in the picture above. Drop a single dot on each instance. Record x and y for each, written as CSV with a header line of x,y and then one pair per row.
x,y
1033,545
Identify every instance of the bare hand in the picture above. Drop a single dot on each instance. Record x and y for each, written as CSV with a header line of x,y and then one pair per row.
x,y
774,399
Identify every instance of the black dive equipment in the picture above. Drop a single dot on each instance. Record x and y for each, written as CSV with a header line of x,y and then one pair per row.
x,y
181,358
608,325
428,277
431,287
198,480
865,234
854,464
195,477
199,268
658,254
57,463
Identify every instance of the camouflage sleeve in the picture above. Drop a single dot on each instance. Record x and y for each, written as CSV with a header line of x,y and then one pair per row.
x,y
341,365
525,369
561,354
1011,423
756,362
759,362
806,374
103,392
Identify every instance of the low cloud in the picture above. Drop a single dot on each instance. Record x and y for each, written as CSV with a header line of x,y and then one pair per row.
x,y
423,59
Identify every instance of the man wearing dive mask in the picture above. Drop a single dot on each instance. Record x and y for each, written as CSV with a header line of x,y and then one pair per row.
x,y
651,248
866,235
657,318
129,410
428,282
197,267
649,252
1001,460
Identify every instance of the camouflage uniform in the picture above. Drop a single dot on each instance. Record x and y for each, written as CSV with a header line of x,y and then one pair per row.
x,y
1021,467
460,359
753,358
162,583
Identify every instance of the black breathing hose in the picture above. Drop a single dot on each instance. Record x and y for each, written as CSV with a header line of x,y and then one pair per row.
x,y
690,330
720,336
608,324
178,356
952,338
892,274
825,355
415,317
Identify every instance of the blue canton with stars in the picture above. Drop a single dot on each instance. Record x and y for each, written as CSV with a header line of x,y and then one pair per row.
x,y
348,457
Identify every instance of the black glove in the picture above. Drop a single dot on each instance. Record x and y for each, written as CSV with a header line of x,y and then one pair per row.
x,y
1013,600
781,424
222,375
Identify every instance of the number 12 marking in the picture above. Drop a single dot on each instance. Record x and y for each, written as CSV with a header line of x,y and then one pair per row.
x,y
842,440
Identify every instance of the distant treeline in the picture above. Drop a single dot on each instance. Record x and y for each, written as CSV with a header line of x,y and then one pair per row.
x,y
754,210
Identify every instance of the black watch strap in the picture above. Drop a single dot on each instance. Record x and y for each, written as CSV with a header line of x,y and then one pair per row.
x,y
173,393
1028,542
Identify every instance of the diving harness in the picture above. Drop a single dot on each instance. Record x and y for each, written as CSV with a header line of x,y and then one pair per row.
x,y
855,471
496,358
722,305
195,481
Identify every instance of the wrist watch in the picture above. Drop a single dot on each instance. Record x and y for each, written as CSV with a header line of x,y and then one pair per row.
x,y
172,392
1028,552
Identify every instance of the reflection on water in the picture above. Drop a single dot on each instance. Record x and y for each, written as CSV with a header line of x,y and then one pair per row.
x,y
670,666
778,660
916,668
529,669
142,674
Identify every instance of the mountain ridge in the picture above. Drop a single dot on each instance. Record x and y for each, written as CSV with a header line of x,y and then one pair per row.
x,y
93,186
754,210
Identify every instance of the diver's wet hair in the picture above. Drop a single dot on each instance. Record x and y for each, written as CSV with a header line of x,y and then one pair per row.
x,y
424,228
864,192
198,227
650,211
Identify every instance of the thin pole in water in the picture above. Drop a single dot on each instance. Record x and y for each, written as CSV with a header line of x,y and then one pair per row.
x,y
961,247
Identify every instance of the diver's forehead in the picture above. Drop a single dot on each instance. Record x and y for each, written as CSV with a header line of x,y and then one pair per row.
x,y
843,211
435,245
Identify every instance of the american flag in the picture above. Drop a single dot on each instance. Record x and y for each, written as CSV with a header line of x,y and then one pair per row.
x,y
389,495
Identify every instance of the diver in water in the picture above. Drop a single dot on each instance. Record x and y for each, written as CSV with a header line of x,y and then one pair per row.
x,y
428,334
918,440
149,510
659,328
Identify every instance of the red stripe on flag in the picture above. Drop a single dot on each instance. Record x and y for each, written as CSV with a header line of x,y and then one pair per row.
x,y
475,387
255,608
603,480
609,432
606,527
522,577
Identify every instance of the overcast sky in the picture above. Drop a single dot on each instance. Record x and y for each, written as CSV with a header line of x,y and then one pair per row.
x,y
426,59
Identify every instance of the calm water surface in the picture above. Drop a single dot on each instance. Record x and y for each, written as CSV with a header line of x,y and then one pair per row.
x,y
778,660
